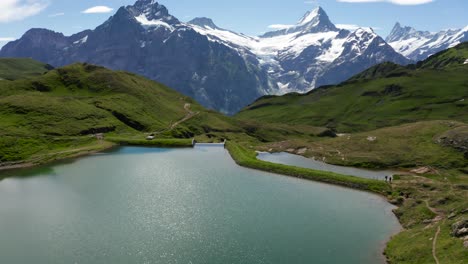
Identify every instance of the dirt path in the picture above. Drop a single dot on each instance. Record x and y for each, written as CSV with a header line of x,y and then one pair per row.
x,y
439,217
190,114
434,245
431,208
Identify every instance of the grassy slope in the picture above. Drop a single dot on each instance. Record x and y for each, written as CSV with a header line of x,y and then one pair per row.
x,y
437,200
400,109
13,69
408,145
64,107
434,89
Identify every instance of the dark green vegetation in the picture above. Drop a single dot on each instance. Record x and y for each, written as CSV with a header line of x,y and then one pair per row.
x,y
66,107
385,95
248,158
13,69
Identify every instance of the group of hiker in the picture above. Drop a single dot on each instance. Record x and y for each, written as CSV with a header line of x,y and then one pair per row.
x,y
389,179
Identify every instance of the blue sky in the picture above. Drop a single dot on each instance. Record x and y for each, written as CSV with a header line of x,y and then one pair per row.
x,y
247,16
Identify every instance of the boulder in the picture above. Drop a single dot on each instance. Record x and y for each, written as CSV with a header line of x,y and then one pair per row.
x,y
460,228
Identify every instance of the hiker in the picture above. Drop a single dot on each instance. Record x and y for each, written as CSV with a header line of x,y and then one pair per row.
x,y
390,179
386,178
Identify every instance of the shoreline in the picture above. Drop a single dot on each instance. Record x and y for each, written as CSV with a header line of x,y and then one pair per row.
x,y
49,158
381,246
384,192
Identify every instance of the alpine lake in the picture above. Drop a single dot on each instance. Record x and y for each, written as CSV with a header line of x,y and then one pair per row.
x,y
189,205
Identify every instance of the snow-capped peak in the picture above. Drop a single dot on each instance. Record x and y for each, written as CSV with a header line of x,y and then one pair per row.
x,y
150,12
314,21
403,32
418,45
311,16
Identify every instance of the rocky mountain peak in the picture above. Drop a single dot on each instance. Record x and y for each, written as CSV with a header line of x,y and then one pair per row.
x,y
400,32
315,16
150,10
314,21
203,22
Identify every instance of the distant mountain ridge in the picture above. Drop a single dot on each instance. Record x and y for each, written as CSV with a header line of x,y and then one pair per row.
x,y
419,45
221,69
383,95
312,53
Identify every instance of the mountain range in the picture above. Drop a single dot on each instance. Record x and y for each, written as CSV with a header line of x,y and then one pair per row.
x,y
384,95
221,69
419,45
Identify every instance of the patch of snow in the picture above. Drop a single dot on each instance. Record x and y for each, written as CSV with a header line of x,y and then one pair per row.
x,y
466,61
81,41
408,46
334,51
283,87
289,45
143,20
418,43
143,44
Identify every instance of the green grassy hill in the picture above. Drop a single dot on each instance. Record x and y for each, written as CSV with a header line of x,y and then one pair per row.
x,y
393,116
384,95
66,106
13,69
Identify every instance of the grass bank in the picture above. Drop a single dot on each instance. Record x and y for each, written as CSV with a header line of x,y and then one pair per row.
x,y
248,158
82,147
170,142
425,204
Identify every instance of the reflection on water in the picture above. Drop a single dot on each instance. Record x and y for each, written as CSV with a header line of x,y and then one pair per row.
x,y
149,205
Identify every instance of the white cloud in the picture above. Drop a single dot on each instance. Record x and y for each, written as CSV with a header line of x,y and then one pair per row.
x,y
57,14
352,27
14,10
6,39
279,26
347,26
98,10
396,2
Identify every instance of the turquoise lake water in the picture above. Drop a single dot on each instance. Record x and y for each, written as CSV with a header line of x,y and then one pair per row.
x,y
300,161
150,205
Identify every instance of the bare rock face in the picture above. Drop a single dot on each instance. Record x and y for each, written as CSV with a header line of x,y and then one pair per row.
x,y
460,228
456,138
